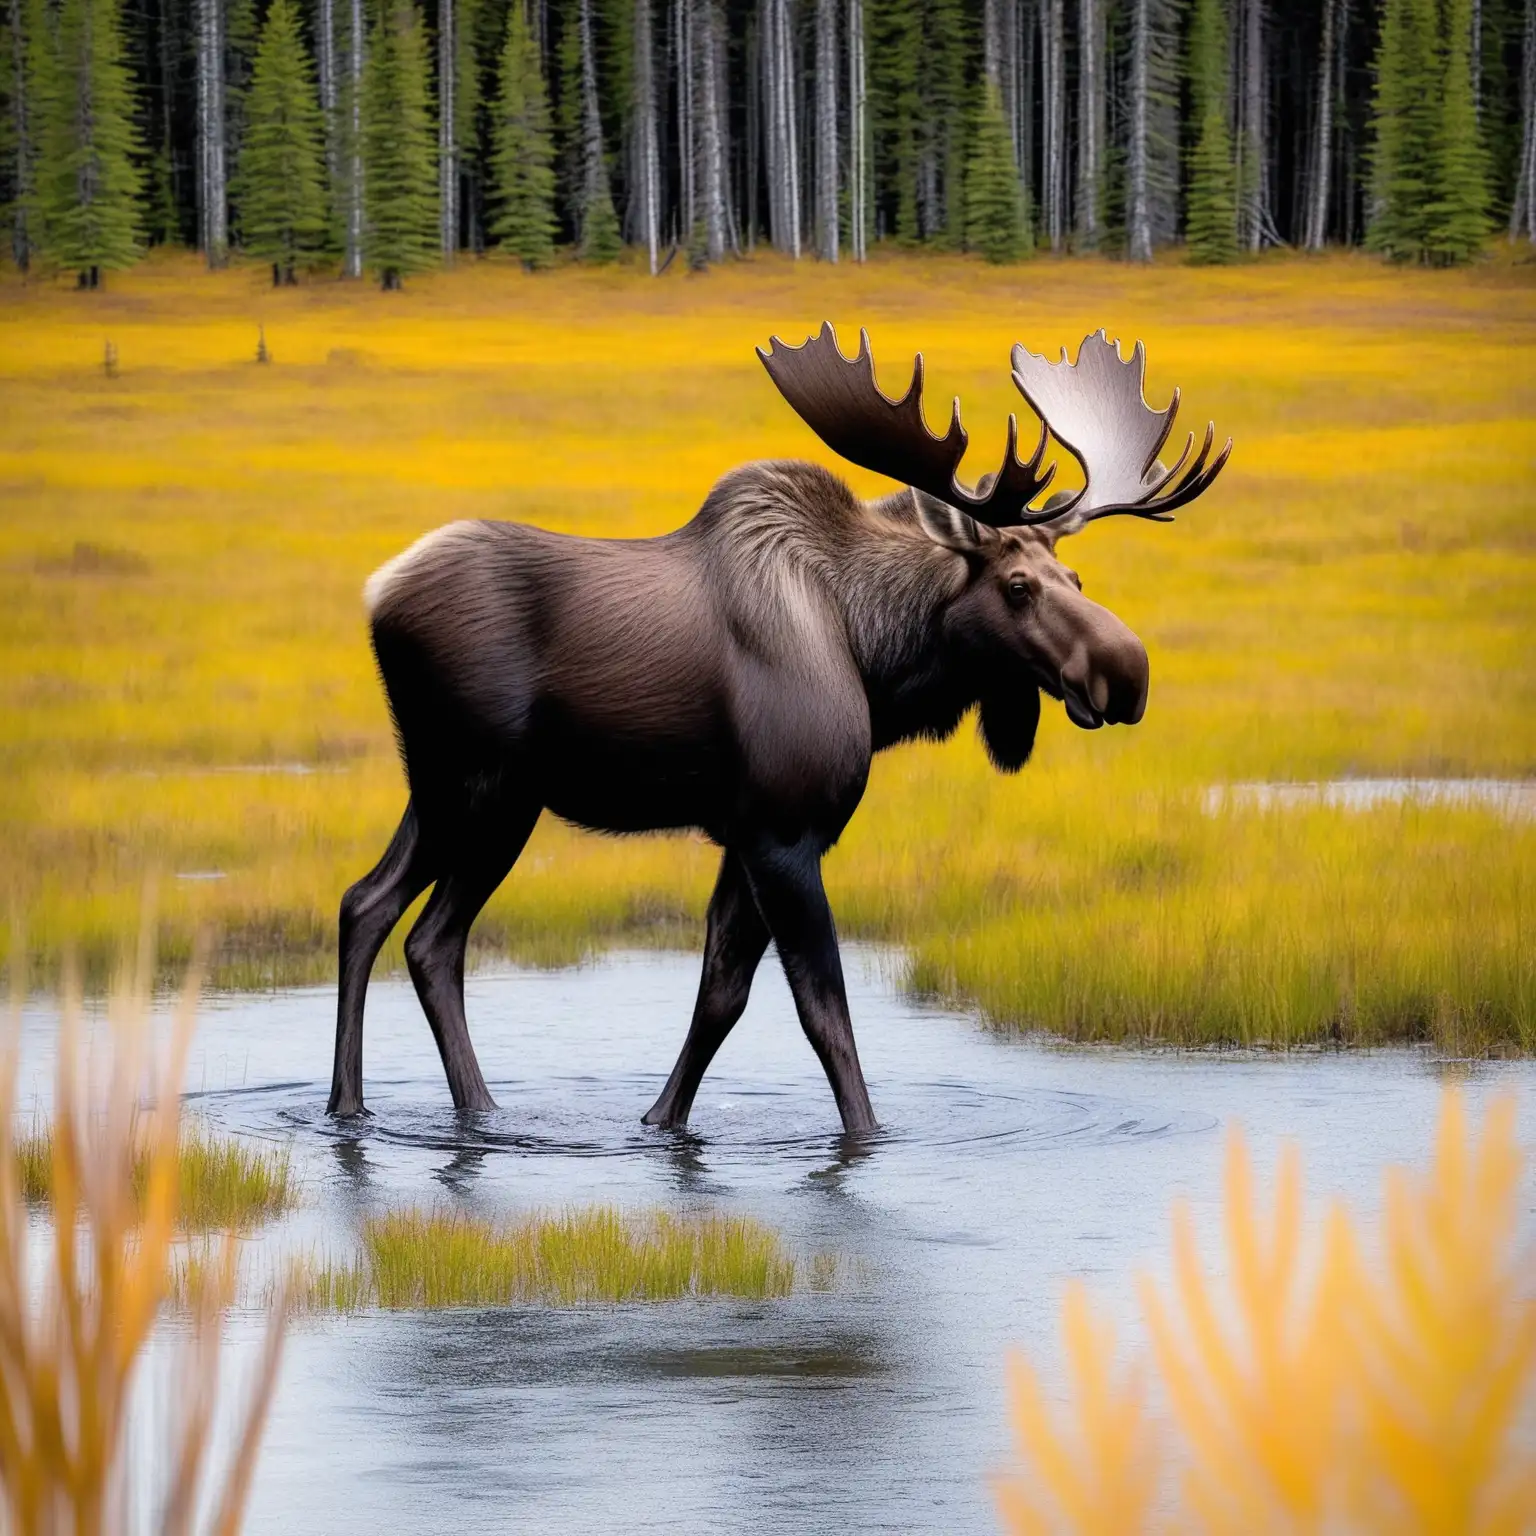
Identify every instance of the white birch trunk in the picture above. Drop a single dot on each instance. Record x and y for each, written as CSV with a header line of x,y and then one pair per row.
x,y
1523,213
783,156
594,167
711,148
1138,209
353,260
826,130
1253,146
1053,83
687,146
447,134
1090,119
325,48
212,180
858,133
1322,146
647,169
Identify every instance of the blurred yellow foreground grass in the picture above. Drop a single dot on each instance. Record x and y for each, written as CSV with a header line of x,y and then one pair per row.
x,y
1316,1389
185,681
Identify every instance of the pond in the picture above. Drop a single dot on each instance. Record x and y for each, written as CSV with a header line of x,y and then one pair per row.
x,y
1004,1166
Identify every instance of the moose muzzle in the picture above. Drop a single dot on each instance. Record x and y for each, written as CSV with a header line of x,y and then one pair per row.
x,y
1103,675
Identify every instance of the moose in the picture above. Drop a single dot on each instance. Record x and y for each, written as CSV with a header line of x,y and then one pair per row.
x,y
735,677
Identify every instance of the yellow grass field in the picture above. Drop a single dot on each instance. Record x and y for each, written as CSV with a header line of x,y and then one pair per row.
x,y
186,690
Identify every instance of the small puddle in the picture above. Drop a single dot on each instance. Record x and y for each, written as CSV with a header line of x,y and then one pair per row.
x,y
1513,798
1003,1167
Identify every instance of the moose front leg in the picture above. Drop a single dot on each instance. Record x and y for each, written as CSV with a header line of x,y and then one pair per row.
x,y
733,945
786,879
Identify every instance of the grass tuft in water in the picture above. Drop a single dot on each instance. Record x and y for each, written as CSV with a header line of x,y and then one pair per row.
x,y
448,1259
223,1183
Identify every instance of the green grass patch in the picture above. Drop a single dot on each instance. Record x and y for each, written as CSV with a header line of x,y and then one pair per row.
x,y
225,1184
429,1259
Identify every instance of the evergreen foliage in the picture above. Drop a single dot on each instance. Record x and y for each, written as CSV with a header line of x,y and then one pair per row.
x,y
87,182
281,183
1211,222
399,150
995,224
522,164
1404,109
602,240
1456,218
1429,188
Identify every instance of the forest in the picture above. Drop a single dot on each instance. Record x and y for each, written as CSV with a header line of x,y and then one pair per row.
x,y
390,138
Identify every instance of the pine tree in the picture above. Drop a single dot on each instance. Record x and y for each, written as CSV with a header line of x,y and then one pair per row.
x,y
281,187
1211,221
1405,114
1456,218
399,174
994,201
523,158
86,179
601,238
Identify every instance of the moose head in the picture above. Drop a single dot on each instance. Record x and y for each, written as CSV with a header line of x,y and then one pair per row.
x,y
736,676
1021,603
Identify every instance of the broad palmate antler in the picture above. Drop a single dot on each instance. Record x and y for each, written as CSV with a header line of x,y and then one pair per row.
x,y
1094,408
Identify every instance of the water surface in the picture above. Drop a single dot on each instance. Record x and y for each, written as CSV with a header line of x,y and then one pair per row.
x,y
1003,1166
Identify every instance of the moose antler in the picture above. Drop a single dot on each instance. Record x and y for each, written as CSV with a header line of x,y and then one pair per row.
x,y
840,401
1096,410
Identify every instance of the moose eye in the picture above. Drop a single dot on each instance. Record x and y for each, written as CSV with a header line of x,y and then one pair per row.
x,y
1018,589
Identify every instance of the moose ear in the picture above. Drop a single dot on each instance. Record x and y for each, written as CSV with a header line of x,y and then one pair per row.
x,y
950,527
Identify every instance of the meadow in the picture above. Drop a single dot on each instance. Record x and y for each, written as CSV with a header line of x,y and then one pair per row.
x,y
187,695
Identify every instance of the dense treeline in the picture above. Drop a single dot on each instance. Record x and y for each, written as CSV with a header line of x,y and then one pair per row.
x,y
389,137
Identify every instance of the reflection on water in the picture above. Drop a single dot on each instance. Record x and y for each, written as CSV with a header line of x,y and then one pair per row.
x,y
1002,1167
1514,798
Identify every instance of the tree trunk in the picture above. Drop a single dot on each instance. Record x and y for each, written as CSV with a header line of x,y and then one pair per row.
x,y
1090,119
1523,212
646,167
826,130
992,43
783,154
858,134
1029,42
687,138
21,232
447,134
353,262
1138,211
1322,147
711,179
212,181
594,167
1053,87
1254,224
325,48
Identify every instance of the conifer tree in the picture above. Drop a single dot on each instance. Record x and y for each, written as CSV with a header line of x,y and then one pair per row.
x,y
995,224
523,158
281,188
1211,221
87,184
1404,126
1456,219
399,173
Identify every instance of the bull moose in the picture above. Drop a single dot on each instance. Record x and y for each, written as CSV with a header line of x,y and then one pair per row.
x,y
735,676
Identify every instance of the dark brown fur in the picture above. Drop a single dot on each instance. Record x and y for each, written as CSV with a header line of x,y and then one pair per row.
x,y
733,676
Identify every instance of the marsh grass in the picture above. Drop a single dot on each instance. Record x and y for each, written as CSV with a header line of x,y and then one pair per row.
x,y
80,1295
222,1182
431,1259
1355,597
1321,1386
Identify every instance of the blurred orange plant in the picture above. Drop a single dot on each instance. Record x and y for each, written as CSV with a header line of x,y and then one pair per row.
x,y
1310,1394
75,1328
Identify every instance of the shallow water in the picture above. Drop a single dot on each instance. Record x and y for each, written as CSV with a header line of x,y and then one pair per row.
x,y
1003,1167
1514,799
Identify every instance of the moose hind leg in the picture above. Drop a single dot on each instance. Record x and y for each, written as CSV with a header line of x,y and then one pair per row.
x,y
786,879
369,911
435,946
733,945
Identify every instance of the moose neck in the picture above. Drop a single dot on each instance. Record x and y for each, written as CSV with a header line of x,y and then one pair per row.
x,y
894,589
